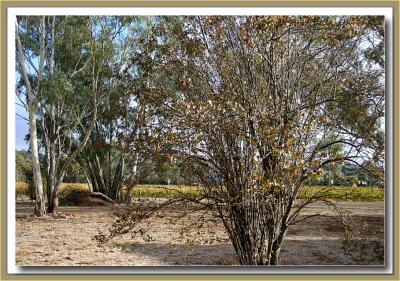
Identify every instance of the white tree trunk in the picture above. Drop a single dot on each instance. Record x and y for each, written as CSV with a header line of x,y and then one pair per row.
x,y
31,108
37,177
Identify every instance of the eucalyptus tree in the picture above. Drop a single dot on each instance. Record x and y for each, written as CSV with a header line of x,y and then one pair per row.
x,y
65,101
30,57
254,105
71,59
117,151
87,60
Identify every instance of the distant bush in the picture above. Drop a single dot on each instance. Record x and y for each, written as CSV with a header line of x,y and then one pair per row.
x,y
69,193
72,193
23,188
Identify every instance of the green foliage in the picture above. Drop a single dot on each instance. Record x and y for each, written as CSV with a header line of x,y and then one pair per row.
x,y
23,168
58,88
24,174
74,173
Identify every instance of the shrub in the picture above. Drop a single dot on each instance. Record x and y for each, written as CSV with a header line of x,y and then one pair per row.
x,y
72,193
23,188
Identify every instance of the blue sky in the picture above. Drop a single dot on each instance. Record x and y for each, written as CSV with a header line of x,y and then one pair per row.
x,y
21,128
21,125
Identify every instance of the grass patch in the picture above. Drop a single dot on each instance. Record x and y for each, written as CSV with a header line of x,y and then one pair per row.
x,y
71,192
167,191
333,192
345,192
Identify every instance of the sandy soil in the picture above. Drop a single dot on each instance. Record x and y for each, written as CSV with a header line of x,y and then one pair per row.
x,y
67,239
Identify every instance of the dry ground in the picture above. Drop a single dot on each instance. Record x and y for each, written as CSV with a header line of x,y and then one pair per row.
x,y
67,240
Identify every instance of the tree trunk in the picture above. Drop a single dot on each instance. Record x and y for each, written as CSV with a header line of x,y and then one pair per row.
x,y
72,157
256,233
129,188
254,255
116,184
52,208
128,197
89,182
260,251
91,175
51,179
31,108
52,138
103,196
99,174
40,202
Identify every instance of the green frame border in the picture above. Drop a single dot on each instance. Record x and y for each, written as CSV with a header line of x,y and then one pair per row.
x,y
205,3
